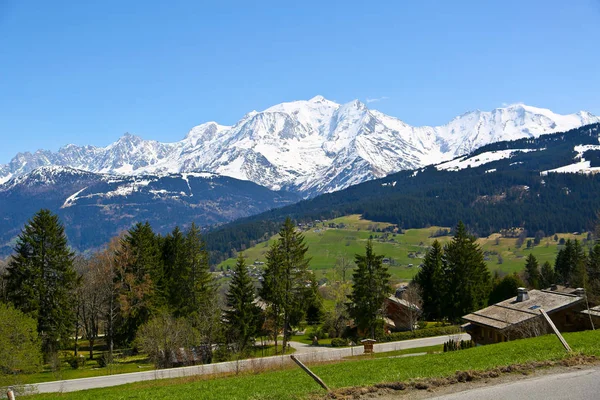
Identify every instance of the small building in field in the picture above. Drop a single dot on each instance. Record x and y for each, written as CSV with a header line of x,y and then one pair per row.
x,y
520,317
592,315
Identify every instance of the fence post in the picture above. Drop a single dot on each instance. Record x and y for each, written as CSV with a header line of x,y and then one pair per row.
x,y
555,329
10,394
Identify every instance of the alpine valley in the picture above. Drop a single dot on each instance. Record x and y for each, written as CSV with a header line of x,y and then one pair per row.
x,y
309,149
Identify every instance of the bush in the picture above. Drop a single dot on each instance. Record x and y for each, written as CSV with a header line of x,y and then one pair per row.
x,y
20,346
76,362
453,345
102,360
421,333
339,342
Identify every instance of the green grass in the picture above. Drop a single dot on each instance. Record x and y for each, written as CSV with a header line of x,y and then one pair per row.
x,y
387,354
326,245
295,384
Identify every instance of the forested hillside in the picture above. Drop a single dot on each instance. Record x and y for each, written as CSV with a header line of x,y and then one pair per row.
x,y
513,191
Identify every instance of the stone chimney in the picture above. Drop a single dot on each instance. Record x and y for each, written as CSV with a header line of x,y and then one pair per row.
x,y
400,292
522,294
579,292
554,286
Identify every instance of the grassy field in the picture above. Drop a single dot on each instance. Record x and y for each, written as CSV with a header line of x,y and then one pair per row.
x,y
295,384
326,245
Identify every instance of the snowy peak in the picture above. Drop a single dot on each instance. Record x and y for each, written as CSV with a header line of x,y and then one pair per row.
x,y
308,146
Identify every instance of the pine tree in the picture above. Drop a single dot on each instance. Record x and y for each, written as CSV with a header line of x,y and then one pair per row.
x,y
547,276
241,315
532,272
370,288
286,288
41,278
466,275
430,282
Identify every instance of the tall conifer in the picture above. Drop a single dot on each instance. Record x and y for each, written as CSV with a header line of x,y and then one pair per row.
x,y
42,280
370,288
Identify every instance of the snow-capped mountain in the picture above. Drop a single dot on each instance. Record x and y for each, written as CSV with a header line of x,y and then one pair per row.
x,y
97,206
311,147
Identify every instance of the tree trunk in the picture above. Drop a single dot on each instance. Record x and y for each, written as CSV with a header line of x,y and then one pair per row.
x,y
92,340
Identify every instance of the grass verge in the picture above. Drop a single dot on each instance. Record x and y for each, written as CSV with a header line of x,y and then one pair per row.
x,y
295,384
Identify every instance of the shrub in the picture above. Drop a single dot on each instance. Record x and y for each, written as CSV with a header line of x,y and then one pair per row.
x,y
76,362
421,333
454,345
339,342
20,346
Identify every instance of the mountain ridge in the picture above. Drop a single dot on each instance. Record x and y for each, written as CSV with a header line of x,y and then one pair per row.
x,y
308,146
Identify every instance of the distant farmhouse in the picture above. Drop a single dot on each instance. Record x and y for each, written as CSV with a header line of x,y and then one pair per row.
x,y
400,313
520,316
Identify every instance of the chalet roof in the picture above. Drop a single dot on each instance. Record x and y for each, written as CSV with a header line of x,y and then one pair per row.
x,y
402,302
510,312
594,311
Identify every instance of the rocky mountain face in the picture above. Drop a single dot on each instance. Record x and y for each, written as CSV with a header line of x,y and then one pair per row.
x,y
94,207
309,147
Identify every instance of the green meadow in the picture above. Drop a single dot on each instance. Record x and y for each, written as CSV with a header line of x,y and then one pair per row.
x,y
293,383
404,250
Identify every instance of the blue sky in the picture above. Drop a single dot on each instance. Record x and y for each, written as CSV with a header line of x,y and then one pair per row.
x,y
85,72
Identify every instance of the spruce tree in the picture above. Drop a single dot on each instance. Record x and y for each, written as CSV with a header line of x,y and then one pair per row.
x,y
137,277
547,276
466,275
532,272
370,288
241,315
273,287
578,276
199,287
42,280
505,288
286,278
593,273
431,283
174,265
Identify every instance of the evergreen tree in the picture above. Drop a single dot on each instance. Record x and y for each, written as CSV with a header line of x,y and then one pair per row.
x,y
174,265
41,278
593,273
505,288
286,288
466,274
570,264
198,286
272,289
370,288
578,273
547,276
241,315
430,282
138,273
532,272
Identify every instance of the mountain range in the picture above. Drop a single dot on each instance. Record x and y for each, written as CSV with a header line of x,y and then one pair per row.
x,y
307,147
95,207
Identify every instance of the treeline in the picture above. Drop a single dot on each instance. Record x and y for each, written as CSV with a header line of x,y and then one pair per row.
x,y
515,195
454,279
156,294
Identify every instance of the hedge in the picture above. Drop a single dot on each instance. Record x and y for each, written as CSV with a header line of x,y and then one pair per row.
x,y
421,333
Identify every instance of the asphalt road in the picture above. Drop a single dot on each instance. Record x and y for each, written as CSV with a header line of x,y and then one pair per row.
x,y
578,385
304,352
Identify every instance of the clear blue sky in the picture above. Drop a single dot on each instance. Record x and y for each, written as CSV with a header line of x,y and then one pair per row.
x,y
85,72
